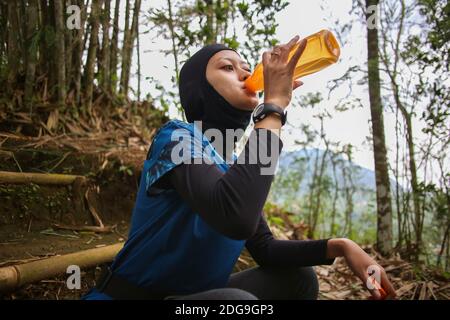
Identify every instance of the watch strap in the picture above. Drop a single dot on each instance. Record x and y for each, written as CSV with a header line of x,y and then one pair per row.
x,y
262,110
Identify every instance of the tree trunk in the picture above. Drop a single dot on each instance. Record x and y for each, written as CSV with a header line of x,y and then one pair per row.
x,y
138,48
114,49
3,28
134,33
349,190
21,6
318,181
127,55
92,54
335,198
384,209
319,188
210,36
13,46
77,56
69,47
59,53
312,190
443,244
104,64
126,36
32,27
392,73
222,11
418,217
44,50
397,186
227,17
172,36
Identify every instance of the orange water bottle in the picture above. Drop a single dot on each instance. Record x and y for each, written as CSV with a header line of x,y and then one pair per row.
x,y
322,50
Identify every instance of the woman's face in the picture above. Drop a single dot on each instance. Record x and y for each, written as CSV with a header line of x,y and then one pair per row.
x,y
226,72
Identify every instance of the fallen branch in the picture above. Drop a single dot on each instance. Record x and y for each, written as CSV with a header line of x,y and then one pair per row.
x,y
16,276
38,178
99,228
92,209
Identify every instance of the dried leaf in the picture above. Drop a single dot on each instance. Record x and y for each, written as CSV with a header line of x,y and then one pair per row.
x,y
430,286
423,292
325,287
329,295
343,294
406,288
52,121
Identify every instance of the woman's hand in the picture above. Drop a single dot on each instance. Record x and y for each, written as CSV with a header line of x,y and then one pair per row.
x,y
361,264
278,72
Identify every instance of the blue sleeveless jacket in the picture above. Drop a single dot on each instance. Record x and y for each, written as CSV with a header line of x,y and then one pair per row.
x,y
170,248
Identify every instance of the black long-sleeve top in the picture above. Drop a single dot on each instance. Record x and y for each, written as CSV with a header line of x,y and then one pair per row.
x,y
232,203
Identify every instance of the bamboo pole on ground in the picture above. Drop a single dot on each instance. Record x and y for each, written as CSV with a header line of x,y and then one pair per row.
x,y
38,178
14,277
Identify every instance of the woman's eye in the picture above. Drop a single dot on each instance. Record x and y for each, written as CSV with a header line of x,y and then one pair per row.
x,y
231,68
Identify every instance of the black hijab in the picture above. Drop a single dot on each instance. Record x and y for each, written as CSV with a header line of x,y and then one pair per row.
x,y
201,102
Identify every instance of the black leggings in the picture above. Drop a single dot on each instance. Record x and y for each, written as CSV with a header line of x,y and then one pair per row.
x,y
263,283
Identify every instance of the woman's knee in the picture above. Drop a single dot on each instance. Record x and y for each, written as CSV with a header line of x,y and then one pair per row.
x,y
307,284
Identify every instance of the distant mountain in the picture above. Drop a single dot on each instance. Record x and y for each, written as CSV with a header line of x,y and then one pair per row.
x,y
303,160
363,178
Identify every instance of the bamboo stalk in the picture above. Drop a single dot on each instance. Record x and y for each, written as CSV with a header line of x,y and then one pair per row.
x,y
38,178
13,277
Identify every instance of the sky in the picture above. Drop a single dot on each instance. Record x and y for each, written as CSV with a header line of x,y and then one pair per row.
x,y
302,18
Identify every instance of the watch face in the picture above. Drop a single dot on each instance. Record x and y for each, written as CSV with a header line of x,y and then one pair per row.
x,y
259,109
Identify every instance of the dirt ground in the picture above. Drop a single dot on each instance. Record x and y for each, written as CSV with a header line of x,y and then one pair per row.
x,y
29,212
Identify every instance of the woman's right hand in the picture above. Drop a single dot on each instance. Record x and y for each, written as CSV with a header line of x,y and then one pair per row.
x,y
278,72
361,264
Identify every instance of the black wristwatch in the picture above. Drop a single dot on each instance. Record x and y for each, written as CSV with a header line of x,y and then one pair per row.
x,y
262,110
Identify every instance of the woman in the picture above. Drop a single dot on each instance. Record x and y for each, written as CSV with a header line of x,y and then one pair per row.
x,y
192,220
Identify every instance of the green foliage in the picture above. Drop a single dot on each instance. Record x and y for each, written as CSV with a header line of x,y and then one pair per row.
x,y
437,15
311,99
260,26
126,169
48,32
433,56
275,220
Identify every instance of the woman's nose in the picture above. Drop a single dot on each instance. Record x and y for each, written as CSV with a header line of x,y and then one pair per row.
x,y
244,75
